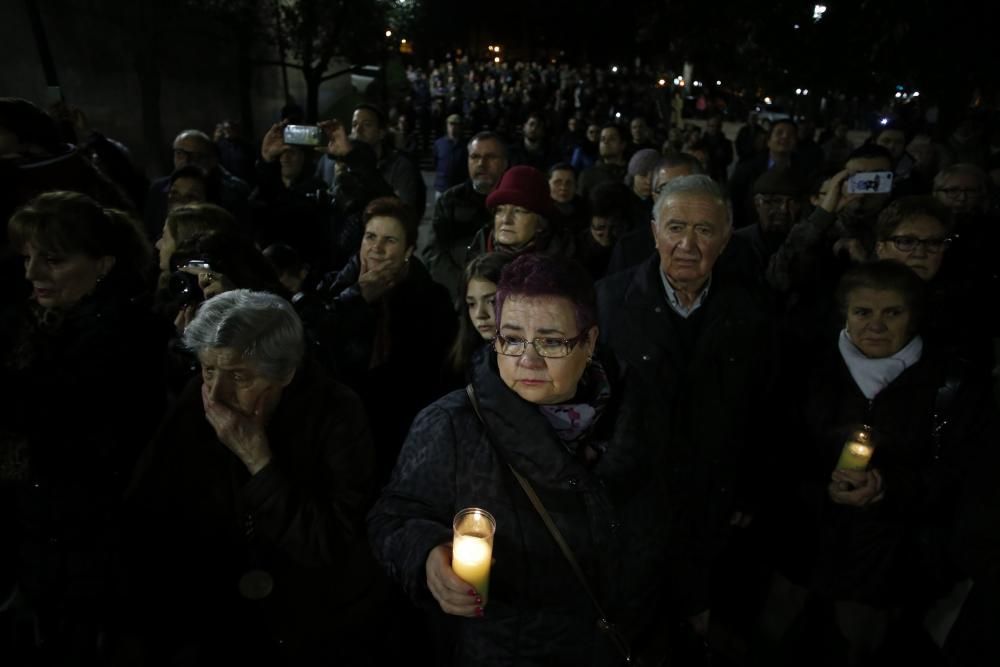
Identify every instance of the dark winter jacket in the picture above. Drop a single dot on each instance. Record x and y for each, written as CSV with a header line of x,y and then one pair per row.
x,y
200,522
615,516
893,551
709,382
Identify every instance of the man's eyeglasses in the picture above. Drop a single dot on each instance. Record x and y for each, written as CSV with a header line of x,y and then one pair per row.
x,y
955,193
910,243
191,156
550,348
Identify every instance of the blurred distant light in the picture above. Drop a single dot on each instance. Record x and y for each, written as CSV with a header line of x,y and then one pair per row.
x,y
618,114
662,82
496,59
718,83
898,95
497,48
796,26
767,100
388,33
916,93
614,68
818,11
402,41
805,91
798,91
883,121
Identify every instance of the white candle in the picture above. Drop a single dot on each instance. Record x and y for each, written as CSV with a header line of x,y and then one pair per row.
x,y
470,558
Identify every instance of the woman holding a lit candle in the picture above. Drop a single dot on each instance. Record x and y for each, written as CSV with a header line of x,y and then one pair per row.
x,y
878,475
564,421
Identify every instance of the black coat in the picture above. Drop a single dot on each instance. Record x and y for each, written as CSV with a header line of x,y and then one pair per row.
x,y
200,521
892,552
413,324
708,381
81,400
615,516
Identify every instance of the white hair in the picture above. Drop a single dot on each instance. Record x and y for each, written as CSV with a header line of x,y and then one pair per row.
x,y
696,185
262,327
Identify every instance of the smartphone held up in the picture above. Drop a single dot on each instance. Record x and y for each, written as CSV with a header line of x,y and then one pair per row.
x,y
870,182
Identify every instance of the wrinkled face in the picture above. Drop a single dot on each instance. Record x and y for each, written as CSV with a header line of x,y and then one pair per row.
x,y
185,191
692,233
514,225
916,231
867,202
166,246
486,164
962,193
776,213
894,141
611,145
642,185
533,129
61,279
480,300
782,138
562,185
192,150
365,127
878,322
540,380
292,161
236,383
384,245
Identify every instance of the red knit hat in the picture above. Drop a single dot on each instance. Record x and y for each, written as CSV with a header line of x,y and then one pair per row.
x,y
526,187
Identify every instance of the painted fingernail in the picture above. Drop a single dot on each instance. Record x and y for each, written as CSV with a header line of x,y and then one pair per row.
x,y
479,612
479,600
472,592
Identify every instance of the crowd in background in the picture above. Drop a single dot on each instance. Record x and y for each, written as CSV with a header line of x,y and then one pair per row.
x,y
245,398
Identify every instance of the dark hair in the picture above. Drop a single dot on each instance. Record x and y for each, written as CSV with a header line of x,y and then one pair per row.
x,y
870,151
70,222
29,123
485,267
196,173
233,255
559,166
616,127
535,275
886,275
284,258
672,160
487,135
907,207
199,218
537,116
379,115
393,207
782,121
610,200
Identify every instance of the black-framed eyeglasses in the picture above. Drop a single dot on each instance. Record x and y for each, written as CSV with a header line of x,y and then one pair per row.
x,y
547,347
910,243
956,192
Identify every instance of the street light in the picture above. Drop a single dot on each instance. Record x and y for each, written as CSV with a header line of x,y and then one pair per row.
x,y
614,69
818,11
496,59
388,33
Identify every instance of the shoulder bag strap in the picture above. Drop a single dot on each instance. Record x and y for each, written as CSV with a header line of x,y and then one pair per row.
x,y
603,623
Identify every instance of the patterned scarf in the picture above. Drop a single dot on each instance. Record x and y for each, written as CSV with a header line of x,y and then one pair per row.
x,y
574,421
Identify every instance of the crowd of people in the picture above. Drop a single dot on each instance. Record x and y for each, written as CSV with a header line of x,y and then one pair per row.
x,y
729,402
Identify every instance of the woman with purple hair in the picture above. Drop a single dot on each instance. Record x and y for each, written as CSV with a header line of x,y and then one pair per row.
x,y
540,407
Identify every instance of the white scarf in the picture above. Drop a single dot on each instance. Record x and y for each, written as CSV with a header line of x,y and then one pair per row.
x,y
874,375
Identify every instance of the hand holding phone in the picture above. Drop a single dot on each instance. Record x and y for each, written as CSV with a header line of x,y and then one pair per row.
x,y
870,182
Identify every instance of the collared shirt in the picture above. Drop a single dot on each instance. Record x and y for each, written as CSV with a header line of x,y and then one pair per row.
x,y
673,300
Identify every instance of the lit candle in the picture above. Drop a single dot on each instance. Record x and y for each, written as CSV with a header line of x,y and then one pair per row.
x,y
472,548
857,452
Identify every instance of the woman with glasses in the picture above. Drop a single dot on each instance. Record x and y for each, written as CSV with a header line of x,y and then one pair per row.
x,y
543,406
916,232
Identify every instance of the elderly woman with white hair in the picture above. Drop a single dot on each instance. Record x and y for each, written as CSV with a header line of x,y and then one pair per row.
x,y
250,502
